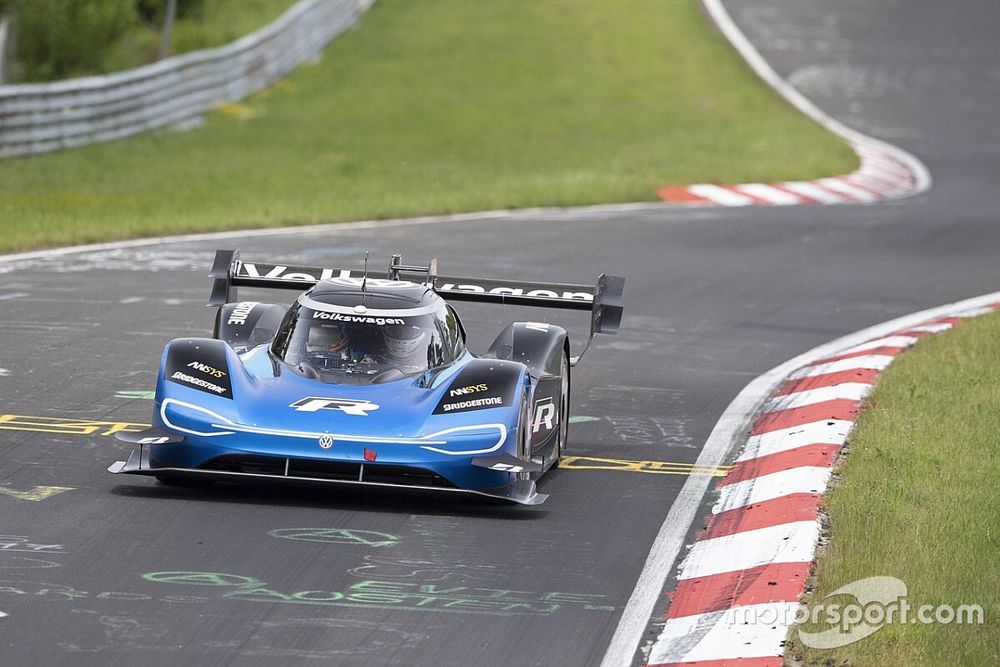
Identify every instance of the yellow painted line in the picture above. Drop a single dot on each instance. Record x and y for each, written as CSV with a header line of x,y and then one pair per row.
x,y
651,467
62,426
36,494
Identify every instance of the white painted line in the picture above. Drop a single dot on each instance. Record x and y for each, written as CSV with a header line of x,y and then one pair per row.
x,y
769,193
843,187
575,212
875,362
720,195
813,191
887,341
975,312
826,432
804,479
724,437
853,391
4,373
714,636
2,615
785,543
931,328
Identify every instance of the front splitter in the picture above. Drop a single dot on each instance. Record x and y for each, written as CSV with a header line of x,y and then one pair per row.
x,y
519,491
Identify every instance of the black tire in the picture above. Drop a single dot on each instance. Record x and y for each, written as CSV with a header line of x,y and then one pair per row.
x,y
564,395
524,436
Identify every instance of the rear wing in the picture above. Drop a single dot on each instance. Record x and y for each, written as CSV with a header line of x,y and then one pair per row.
x,y
603,299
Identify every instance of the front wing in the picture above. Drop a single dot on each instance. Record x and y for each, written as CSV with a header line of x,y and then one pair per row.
x,y
520,491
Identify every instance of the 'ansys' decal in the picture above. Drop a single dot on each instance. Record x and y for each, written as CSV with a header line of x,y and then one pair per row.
x,y
479,386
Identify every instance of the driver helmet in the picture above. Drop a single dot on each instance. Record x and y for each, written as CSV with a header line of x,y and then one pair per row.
x,y
404,340
328,338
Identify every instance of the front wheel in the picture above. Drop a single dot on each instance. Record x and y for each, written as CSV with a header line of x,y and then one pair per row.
x,y
563,410
524,437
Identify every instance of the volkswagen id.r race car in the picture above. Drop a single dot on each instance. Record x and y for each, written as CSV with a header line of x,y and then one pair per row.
x,y
368,381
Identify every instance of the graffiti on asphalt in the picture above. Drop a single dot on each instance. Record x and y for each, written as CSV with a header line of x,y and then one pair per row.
x,y
276,640
366,538
22,543
394,595
11,562
420,570
48,592
668,431
135,394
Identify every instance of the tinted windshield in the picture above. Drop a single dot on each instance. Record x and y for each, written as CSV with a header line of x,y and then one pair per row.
x,y
351,347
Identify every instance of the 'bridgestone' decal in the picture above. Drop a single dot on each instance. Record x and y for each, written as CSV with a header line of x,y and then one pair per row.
x,y
489,402
199,364
197,382
239,314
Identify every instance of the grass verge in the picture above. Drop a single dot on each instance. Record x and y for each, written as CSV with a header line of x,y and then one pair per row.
x,y
442,106
917,498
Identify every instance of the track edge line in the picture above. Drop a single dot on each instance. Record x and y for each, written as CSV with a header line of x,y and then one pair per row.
x,y
725,436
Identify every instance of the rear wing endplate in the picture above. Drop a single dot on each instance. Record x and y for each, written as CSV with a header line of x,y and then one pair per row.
x,y
603,299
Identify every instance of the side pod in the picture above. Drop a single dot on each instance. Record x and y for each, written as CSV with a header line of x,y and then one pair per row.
x,y
247,324
537,345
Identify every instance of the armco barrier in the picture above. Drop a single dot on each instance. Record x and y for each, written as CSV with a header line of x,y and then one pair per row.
x,y
41,117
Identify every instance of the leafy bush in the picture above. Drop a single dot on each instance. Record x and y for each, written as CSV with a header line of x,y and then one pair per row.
x,y
62,38
153,11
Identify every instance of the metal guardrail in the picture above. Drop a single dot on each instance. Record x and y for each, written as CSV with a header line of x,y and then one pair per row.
x,y
42,117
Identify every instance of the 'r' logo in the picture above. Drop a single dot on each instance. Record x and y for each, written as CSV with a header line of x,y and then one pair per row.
x,y
350,406
545,413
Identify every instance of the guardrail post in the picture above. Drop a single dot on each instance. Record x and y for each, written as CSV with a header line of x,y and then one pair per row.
x,y
168,26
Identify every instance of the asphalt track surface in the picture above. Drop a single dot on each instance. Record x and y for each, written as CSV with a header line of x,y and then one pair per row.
x,y
714,298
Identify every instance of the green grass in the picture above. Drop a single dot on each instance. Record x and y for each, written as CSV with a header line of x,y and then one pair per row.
x,y
918,498
442,106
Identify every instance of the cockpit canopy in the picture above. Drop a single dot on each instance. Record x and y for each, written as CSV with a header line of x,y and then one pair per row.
x,y
401,330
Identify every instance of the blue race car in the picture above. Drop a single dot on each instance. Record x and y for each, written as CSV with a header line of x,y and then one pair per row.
x,y
365,381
